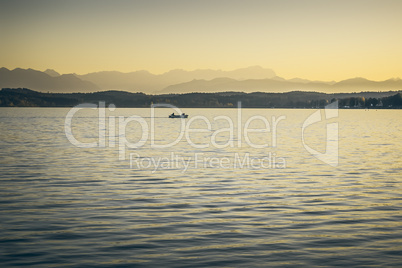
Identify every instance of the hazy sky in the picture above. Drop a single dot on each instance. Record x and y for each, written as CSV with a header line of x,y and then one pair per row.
x,y
327,40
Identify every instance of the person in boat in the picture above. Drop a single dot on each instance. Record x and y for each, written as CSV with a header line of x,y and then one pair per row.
x,y
183,114
172,114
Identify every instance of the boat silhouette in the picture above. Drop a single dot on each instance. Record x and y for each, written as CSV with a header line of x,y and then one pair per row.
x,y
178,115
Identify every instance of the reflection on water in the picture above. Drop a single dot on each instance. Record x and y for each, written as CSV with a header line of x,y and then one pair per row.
x,y
82,206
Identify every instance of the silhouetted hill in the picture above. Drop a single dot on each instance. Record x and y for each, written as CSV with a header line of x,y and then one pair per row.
x,y
358,84
275,85
150,83
248,80
278,84
133,82
41,81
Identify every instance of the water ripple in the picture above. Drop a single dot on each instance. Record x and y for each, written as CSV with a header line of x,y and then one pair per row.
x,y
73,207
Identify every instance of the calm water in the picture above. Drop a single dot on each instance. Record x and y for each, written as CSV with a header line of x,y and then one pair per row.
x,y
61,205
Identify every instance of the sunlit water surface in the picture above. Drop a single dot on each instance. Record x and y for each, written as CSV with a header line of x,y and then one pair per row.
x,y
70,206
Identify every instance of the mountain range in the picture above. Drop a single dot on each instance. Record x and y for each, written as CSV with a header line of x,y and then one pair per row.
x,y
279,85
251,79
44,82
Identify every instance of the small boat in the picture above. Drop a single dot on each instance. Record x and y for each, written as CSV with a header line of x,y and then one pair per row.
x,y
178,116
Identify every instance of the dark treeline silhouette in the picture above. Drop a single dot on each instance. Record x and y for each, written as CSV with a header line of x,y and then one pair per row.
x,y
22,97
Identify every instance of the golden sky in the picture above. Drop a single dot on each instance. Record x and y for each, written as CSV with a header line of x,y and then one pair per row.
x,y
318,40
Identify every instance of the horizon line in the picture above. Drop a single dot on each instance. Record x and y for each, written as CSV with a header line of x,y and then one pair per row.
x,y
204,69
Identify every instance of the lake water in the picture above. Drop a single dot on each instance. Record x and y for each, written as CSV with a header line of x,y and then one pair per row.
x,y
214,199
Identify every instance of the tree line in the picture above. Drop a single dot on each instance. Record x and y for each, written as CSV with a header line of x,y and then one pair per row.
x,y
22,97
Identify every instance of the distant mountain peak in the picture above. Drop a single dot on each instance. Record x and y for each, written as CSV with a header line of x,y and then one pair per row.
x,y
51,73
299,80
249,79
278,78
255,67
394,79
357,79
41,81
